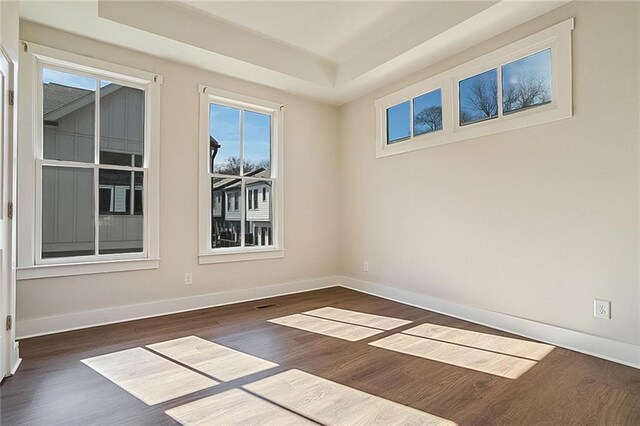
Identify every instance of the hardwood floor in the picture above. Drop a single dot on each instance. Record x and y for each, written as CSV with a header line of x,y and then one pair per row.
x,y
54,387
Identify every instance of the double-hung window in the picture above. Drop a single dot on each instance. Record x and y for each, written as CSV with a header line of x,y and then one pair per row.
x,y
90,170
240,145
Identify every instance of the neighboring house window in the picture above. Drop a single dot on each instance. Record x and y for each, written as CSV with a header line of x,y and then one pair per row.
x,y
94,162
241,144
523,84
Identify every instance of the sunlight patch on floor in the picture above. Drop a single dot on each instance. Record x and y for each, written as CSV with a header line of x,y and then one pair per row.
x,y
215,360
331,403
504,345
234,407
326,327
147,376
498,364
358,318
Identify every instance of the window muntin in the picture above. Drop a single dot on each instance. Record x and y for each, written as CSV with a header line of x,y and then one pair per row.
x,y
427,113
79,110
399,122
527,82
243,169
478,97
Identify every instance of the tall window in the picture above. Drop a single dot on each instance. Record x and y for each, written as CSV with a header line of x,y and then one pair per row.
x,y
242,140
93,164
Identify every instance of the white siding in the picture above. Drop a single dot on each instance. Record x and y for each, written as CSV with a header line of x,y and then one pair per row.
x,y
263,211
232,213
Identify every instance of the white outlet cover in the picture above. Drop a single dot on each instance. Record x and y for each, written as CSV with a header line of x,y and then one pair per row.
x,y
602,309
365,266
188,278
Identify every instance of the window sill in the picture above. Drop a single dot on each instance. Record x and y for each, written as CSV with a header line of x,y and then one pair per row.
x,y
239,256
70,269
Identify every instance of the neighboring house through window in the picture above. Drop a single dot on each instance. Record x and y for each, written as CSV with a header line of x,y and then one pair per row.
x,y
242,142
94,162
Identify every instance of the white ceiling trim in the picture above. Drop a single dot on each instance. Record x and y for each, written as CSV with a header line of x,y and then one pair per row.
x,y
181,34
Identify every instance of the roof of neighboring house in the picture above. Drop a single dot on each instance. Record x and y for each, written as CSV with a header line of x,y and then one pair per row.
x,y
57,96
233,183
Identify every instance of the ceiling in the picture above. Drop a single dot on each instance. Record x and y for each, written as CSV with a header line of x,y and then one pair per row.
x,y
334,30
333,51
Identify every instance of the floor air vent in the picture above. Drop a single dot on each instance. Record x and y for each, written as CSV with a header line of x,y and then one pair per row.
x,y
270,305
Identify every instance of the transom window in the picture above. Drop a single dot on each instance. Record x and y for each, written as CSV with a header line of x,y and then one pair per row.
x,y
523,84
242,140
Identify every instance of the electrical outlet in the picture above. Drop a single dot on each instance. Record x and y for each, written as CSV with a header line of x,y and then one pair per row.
x,y
188,278
602,309
365,266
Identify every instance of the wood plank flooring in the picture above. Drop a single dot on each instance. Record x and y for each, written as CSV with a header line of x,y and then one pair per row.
x,y
53,386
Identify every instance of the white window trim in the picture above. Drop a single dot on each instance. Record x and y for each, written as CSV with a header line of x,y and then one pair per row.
x,y
30,264
207,255
557,38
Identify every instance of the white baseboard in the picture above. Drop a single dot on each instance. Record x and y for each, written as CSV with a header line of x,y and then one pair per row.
x,y
612,350
78,320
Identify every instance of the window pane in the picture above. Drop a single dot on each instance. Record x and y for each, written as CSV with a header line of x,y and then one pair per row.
x,y
527,82
258,218
67,212
479,97
68,107
427,113
224,139
225,213
121,125
121,212
398,122
257,144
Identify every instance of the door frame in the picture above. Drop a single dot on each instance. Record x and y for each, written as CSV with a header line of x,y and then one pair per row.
x,y
9,358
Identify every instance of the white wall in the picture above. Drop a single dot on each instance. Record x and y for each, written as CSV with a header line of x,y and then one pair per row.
x,y
534,223
310,155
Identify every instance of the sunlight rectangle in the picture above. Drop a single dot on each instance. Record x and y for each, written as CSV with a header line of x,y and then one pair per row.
x,y
326,327
505,345
474,359
147,376
234,407
358,318
331,403
223,363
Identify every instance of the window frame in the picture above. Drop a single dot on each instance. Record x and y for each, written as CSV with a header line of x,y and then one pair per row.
x,y
557,38
207,254
31,264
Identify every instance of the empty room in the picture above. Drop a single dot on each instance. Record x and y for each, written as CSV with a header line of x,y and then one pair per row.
x,y
319,212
